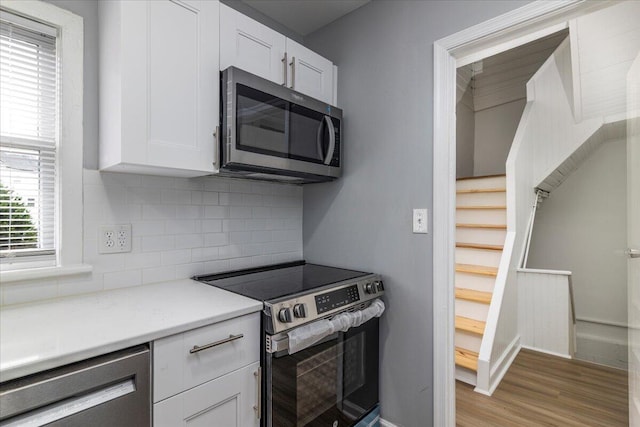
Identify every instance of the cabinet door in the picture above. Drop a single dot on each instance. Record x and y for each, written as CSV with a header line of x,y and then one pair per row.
x,y
170,89
229,401
310,73
251,46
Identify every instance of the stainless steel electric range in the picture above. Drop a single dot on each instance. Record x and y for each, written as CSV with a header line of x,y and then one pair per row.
x,y
319,342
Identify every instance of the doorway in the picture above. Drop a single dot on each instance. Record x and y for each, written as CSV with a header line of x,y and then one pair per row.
x,y
511,30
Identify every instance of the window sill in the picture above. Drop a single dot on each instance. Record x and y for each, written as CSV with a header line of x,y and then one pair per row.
x,y
44,273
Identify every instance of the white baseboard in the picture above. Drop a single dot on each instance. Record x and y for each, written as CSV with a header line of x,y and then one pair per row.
x,y
385,423
552,353
502,366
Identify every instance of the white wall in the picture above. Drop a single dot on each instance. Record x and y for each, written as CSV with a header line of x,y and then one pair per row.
x,y
581,227
495,128
181,227
465,126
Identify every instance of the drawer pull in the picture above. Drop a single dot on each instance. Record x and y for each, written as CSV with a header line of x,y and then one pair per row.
x,y
196,348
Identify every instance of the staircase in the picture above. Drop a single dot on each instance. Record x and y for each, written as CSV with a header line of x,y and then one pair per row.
x,y
480,235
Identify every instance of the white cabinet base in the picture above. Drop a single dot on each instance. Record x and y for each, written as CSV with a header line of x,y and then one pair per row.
x,y
228,401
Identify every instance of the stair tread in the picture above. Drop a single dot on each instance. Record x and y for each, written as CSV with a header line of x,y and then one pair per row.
x,y
496,226
467,178
482,190
482,207
470,325
473,295
477,269
479,246
467,358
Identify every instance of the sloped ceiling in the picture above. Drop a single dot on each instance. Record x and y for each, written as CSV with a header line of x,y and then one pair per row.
x,y
503,77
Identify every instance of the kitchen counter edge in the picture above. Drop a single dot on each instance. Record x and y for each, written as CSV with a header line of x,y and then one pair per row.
x,y
84,326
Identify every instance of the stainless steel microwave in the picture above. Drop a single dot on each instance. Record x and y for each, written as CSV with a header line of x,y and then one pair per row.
x,y
271,132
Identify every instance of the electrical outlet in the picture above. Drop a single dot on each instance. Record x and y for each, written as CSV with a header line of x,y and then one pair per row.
x,y
115,239
420,224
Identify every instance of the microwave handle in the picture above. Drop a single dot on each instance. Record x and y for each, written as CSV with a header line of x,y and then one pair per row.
x,y
332,140
319,149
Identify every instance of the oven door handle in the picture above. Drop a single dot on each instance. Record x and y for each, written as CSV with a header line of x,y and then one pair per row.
x,y
310,334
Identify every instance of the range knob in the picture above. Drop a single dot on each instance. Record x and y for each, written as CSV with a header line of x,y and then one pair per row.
x,y
379,286
300,311
285,315
370,288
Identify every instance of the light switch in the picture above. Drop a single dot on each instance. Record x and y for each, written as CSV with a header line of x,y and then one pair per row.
x,y
420,221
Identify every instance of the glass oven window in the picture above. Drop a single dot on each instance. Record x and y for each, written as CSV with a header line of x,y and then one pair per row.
x,y
333,381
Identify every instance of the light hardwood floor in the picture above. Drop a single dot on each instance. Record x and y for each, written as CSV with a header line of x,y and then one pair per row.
x,y
543,390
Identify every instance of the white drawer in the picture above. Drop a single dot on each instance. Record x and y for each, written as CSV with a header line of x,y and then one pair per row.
x,y
176,368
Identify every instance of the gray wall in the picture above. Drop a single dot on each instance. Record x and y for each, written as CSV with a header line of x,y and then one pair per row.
x,y
88,9
495,128
385,86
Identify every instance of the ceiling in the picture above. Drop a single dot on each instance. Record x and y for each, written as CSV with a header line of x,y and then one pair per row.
x,y
305,16
503,77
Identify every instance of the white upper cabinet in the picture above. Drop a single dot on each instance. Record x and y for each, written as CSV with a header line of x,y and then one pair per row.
x,y
310,73
159,90
254,47
251,46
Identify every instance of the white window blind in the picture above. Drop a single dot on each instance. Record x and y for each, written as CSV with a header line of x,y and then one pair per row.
x,y
28,139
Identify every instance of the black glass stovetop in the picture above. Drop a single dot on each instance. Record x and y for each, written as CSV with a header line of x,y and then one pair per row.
x,y
276,281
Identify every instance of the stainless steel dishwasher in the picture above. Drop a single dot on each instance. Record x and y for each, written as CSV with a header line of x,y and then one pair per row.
x,y
109,390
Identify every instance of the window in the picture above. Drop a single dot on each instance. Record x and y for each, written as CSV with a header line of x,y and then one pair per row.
x,y
28,139
41,105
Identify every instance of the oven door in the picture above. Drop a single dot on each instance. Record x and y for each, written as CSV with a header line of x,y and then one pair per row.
x,y
332,383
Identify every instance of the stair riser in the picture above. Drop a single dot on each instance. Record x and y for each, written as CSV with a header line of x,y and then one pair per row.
x,y
481,199
466,375
491,182
472,310
489,216
484,257
468,341
475,282
481,236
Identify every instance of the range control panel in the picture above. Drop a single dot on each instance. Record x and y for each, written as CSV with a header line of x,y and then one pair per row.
x,y
337,298
294,311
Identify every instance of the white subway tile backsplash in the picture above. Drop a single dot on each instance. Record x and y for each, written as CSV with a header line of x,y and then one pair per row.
x,y
158,274
122,279
178,256
175,197
216,212
210,197
158,243
180,228
189,241
142,260
241,212
216,239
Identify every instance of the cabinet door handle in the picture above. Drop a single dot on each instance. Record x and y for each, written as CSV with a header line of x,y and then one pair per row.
x,y
197,348
216,138
258,406
284,70
293,72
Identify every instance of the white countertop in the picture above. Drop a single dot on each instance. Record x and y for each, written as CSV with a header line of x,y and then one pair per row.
x,y
43,335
